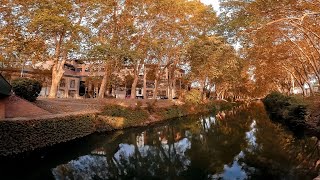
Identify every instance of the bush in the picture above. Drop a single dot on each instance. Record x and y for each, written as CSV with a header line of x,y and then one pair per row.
x,y
138,105
28,89
193,97
287,110
25,135
132,116
151,106
172,112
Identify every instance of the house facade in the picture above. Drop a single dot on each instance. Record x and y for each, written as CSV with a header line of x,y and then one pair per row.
x,y
81,80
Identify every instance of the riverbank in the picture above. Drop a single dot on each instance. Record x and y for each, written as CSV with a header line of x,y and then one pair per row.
x,y
301,115
28,133
245,142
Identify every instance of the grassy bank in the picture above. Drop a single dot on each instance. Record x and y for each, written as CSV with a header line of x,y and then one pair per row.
x,y
294,112
119,117
19,135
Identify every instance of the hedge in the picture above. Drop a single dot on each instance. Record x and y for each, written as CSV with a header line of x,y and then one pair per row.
x,y
24,135
21,135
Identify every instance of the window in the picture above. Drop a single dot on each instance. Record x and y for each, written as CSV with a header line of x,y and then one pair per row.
x,y
72,93
61,94
72,84
63,83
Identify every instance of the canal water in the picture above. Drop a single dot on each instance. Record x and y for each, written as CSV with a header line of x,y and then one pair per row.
x,y
238,144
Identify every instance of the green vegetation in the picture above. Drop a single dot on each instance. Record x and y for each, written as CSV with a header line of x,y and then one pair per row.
x,y
139,114
132,116
174,111
151,106
287,110
25,135
193,97
26,88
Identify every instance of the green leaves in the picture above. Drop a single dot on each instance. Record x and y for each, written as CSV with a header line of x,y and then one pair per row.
x,y
28,89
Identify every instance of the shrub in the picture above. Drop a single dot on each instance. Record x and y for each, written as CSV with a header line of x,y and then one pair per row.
x,y
151,106
28,89
179,111
172,112
193,97
139,104
132,116
287,110
25,135
212,106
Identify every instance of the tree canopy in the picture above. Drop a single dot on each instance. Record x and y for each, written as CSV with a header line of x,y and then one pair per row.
x,y
251,48
279,38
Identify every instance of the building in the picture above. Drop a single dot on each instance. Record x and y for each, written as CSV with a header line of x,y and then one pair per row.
x,y
81,80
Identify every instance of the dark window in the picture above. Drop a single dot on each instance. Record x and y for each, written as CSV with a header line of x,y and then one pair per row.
x,y
82,88
63,83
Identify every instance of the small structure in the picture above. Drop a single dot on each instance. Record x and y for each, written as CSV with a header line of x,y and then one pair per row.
x,y
5,91
5,87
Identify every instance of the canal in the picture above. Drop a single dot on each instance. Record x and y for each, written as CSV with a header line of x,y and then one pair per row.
x,y
238,144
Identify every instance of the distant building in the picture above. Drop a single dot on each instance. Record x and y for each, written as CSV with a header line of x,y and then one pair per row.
x,y
82,81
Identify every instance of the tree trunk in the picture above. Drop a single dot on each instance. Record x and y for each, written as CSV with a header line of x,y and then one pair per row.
x,y
134,86
173,89
145,84
54,84
54,88
303,90
57,73
170,86
202,89
57,69
311,90
171,83
218,95
103,86
156,84
222,95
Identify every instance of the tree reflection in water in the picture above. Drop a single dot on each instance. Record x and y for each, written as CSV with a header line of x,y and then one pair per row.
x,y
242,145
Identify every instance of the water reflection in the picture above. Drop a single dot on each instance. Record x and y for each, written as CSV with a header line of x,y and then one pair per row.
x,y
240,144
251,137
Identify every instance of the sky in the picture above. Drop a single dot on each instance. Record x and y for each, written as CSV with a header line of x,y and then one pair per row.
x,y
214,3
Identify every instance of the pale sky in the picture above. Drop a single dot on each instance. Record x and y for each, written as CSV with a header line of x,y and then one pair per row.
x,y
214,3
